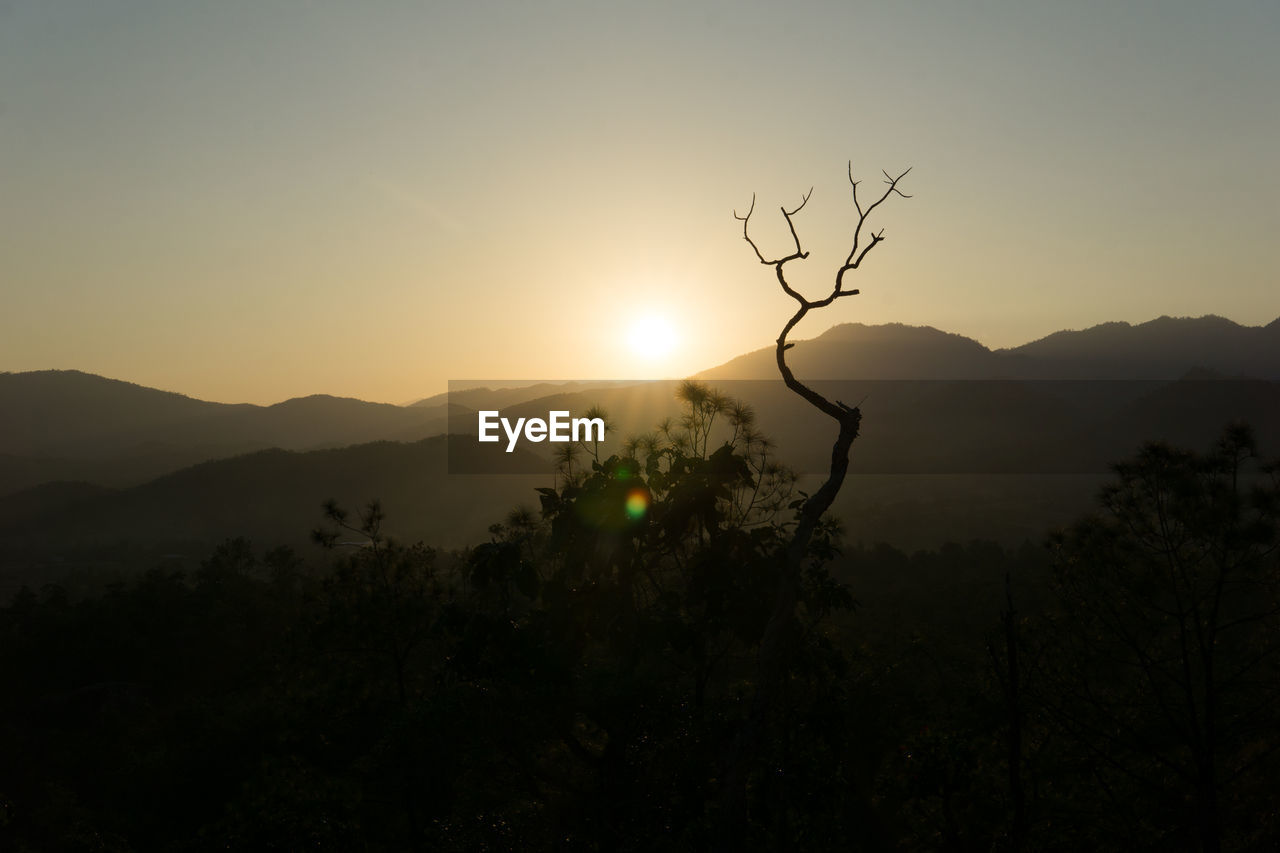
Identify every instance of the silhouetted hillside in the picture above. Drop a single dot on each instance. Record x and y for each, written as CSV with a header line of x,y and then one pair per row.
x,y
67,425
1004,426
936,461
1183,413
273,496
497,398
1165,348
70,430
858,351
46,412
30,505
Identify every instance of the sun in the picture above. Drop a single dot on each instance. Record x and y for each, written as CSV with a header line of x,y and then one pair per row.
x,y
651,337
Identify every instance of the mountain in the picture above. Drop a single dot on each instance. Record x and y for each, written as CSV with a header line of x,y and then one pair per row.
x,y
936,461
86,461
497,398
48,411
1187,413
68,425
1164,348
858,351
273,496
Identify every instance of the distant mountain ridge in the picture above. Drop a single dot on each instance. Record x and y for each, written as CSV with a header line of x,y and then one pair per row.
x,y
1023,433
139,465
271,496
66,425
1164,348
44,410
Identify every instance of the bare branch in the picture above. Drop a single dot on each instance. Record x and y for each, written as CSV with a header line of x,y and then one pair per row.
x,y
850,262
892,182
799,207
854,185
856,255
777,264
787,214
744,220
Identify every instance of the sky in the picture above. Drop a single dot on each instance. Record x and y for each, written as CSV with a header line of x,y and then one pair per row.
x,y
252,200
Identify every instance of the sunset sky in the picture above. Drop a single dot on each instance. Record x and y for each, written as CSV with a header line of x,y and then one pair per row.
x,y
249,201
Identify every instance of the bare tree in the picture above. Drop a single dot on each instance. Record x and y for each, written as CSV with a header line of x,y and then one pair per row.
x,y
771,665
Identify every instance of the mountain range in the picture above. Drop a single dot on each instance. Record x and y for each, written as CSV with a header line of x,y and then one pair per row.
x,y
1164,348
68,425
86,462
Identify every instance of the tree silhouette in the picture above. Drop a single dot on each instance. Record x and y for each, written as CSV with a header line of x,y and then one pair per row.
x,y
773,654
1167,664
379,633
624,624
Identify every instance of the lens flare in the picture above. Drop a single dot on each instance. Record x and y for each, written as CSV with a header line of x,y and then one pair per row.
x,y
637,504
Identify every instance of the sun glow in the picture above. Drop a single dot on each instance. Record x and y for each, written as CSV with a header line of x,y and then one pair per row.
x,y
651,337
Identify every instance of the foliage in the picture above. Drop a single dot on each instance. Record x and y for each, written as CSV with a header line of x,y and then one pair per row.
x,y
628,617
577,681
1165,668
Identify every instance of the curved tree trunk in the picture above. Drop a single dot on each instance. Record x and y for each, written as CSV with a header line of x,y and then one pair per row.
x,y
773,657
